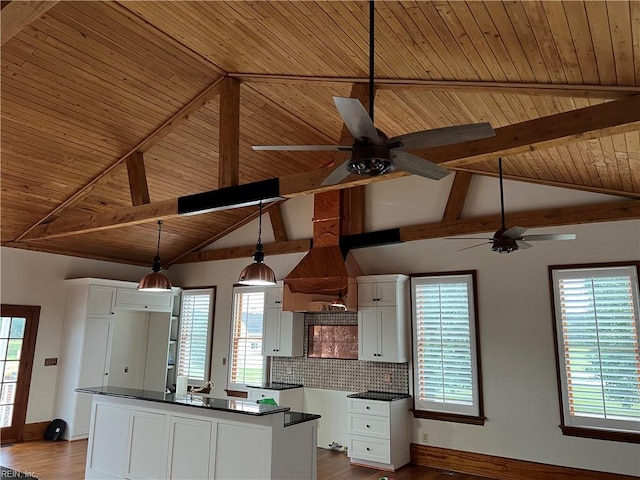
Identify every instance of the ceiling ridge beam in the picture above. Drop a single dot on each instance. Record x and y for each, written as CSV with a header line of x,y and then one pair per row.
x,y
17,15
570,90
229,133
204,97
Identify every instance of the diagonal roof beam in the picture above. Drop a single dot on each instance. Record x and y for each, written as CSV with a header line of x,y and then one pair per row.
x,y
457,196
577,125
138,186
17,15
167,127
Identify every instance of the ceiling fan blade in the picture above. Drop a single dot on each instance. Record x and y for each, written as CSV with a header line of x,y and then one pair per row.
x,y
523,245
473,246
468,238
550,236
419,166
514,232
337,175
441,136
356,118
301,148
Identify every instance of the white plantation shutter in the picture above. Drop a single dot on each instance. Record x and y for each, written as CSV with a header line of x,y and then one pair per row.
x,y
194,335
597,329
247,365
444,344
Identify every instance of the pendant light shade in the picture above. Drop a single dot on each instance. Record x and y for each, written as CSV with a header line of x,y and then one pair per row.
x,y
155,281
258,273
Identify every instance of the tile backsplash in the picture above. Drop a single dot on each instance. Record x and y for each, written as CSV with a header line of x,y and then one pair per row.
x,y
335,374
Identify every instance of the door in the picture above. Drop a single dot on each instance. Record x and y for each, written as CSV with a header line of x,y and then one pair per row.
x,y
18,330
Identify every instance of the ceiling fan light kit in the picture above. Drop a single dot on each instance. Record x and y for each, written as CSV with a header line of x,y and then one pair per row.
x,y
373,153
155,281
258,273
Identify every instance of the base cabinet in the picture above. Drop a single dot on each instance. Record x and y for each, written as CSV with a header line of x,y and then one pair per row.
x,y
189,448
379,432
145,452
292,397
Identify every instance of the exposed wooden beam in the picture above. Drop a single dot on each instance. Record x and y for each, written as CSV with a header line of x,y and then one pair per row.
x,y
137,179
229,138
564,90
16,15
590,122
550,183
167,127
612,211
549,217
611,118
277,222
278,248
457,196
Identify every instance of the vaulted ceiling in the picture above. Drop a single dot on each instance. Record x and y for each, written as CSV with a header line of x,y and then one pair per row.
x,y
111,111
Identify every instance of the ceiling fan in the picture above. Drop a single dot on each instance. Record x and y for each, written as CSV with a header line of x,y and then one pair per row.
x,y
507,240
373,153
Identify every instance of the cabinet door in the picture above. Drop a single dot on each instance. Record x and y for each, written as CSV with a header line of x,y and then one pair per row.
x,y
386,294
130,299
388,341
146,452
101,301
368,334
367,294
189,448
271,332
291,338
105,457
273,297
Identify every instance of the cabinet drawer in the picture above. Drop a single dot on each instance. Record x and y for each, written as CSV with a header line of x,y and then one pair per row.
x,y
367,448
368,425
368,407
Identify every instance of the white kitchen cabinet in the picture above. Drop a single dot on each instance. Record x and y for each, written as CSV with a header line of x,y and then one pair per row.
x,y
101,302
273,296
283,334
132,299
146,446
379,432
383,325
290,397
105,458
92,321
190,445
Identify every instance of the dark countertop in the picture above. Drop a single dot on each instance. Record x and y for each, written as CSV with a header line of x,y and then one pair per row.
x,y
276,386
235,406
293,418
384,396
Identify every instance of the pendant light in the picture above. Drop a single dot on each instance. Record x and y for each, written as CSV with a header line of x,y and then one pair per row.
x,y
338,302
258,273
155,281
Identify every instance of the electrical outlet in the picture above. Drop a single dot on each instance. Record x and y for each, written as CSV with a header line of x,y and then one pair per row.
x,y
289,371
48,362
425,437
387,378
126,369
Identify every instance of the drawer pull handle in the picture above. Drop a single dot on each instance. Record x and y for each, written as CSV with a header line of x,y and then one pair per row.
x,y
368,449
368,426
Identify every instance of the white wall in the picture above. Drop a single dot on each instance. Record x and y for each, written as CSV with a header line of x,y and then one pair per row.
x,y
34,278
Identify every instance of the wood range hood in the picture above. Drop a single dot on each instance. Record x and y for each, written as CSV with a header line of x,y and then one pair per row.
x,y
325,272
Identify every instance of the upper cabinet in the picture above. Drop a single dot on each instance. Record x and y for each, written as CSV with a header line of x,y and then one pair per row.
x,y
383,318
283,331
131,299
101,302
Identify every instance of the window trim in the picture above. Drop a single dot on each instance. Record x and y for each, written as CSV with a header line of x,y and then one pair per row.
x,y
209,353
581,430
239,388
478,419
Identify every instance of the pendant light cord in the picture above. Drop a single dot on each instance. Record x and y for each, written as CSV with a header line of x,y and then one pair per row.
x,y
260,225
501,193
371,55
160,222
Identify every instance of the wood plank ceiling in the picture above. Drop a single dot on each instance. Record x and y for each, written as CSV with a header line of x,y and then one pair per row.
x,y
87,84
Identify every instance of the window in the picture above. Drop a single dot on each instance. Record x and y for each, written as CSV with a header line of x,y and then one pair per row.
x,y
445,348
247,365
596,329
194,336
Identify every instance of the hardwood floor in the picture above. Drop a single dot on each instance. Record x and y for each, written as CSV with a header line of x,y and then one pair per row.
x,y
65,460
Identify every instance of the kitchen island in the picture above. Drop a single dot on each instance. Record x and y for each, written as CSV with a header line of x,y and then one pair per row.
x,y
139,434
